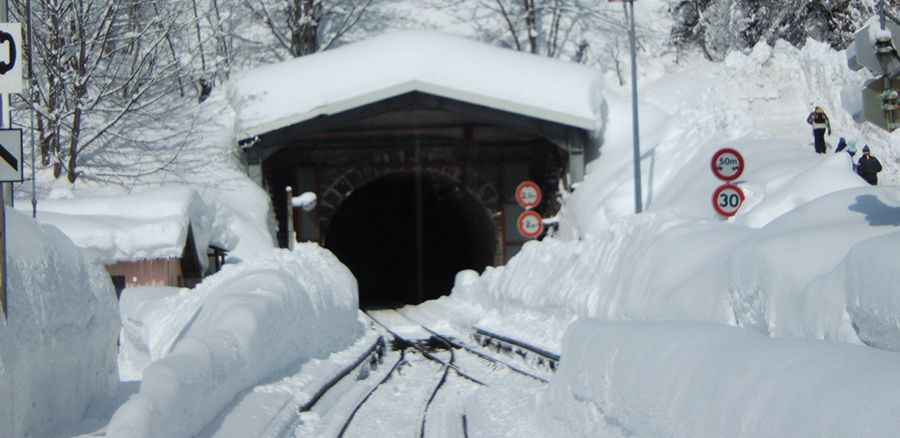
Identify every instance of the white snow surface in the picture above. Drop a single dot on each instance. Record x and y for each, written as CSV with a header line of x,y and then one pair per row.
x,y
235,330
58,344
278,95
698,380
145,312
139,226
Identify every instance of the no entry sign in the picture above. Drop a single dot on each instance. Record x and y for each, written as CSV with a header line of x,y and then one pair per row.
x,y
528,195
727,199
727,164
530,224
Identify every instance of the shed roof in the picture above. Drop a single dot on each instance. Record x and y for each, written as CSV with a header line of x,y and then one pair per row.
x,y
142,226
279,95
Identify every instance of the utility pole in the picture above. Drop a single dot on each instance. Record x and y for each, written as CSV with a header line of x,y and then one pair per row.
x,y
629,14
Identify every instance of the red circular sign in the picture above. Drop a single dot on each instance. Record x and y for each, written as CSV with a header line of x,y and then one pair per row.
x,y
728,199
530,224
727,164
528,195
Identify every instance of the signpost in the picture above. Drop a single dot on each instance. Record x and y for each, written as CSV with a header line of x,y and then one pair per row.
x,y
727,199
727,164
529,195
530,224
11,166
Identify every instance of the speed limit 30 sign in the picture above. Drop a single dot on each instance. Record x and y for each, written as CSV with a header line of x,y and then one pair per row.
x,y
727,199
530,224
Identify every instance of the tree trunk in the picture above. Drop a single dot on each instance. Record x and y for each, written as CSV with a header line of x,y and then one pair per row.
x,y
305,28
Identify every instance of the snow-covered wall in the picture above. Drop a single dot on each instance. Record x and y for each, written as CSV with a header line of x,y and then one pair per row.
x,y
692,380
58,345
236,329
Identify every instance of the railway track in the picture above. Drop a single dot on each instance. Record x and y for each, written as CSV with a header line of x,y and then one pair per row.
x,y
418,345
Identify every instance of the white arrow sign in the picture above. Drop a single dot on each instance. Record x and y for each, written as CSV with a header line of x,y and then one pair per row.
x,y
11,50
11,165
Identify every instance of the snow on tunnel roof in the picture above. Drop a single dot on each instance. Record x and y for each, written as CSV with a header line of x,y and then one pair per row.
x,y
139,226
279,95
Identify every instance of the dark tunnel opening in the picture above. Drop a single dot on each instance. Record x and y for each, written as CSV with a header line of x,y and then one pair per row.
x,y
375,233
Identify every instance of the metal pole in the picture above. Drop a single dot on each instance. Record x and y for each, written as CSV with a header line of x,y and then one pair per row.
x,y
31,113
881,13
4,111
638,199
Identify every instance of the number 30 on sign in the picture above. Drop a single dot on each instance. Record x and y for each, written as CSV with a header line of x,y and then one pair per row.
x,y
727,199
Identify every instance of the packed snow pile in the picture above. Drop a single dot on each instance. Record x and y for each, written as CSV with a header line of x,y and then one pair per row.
x,y
58,345
805,274
145,312
147,225
398,63
236,329
693,380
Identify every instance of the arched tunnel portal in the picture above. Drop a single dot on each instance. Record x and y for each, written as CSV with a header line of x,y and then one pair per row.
x,y
405,236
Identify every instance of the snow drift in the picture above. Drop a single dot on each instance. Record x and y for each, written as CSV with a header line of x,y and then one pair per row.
x,y
681,379
237,328
58,345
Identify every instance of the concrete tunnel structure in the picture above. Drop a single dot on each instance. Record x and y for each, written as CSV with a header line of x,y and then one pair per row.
x,y
414,144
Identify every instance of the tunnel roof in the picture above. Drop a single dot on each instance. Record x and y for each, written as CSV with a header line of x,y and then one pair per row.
x,y
279,95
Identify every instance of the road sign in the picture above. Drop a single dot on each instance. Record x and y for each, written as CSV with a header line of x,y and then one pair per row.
x,y
530,224
727,199
11,165
3,302
528,195
11,58
727,164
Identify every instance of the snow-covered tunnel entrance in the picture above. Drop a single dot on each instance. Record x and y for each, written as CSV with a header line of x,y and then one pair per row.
x,y
406,235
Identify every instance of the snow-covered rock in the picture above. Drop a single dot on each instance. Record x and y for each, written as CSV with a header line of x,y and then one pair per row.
x,y
682,379
58,345
235,330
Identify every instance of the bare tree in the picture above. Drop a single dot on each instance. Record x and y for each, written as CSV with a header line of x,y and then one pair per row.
x,y
302,27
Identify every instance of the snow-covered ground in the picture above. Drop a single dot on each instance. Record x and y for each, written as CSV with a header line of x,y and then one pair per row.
x,y
673,322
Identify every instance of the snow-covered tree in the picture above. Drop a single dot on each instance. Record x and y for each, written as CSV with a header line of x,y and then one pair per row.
x,y
101,69
718,26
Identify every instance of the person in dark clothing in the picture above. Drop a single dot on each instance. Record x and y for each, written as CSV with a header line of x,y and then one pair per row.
x,y
868,167
821,125
842,143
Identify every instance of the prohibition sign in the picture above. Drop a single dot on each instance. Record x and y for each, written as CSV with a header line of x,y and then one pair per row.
x,y
727,199
528,195
727,164
530,224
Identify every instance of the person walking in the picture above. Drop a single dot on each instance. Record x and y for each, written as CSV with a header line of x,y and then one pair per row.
x,y
868,166
821,125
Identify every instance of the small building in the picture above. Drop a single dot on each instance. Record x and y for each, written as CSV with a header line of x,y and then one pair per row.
x,y
164,237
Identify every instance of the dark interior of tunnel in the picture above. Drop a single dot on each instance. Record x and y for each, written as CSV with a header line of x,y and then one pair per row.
x,y
375,233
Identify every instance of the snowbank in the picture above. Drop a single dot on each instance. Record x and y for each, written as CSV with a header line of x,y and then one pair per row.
x,y
236,329
58,346
756,103
703,380
145,312
779,280
140,226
